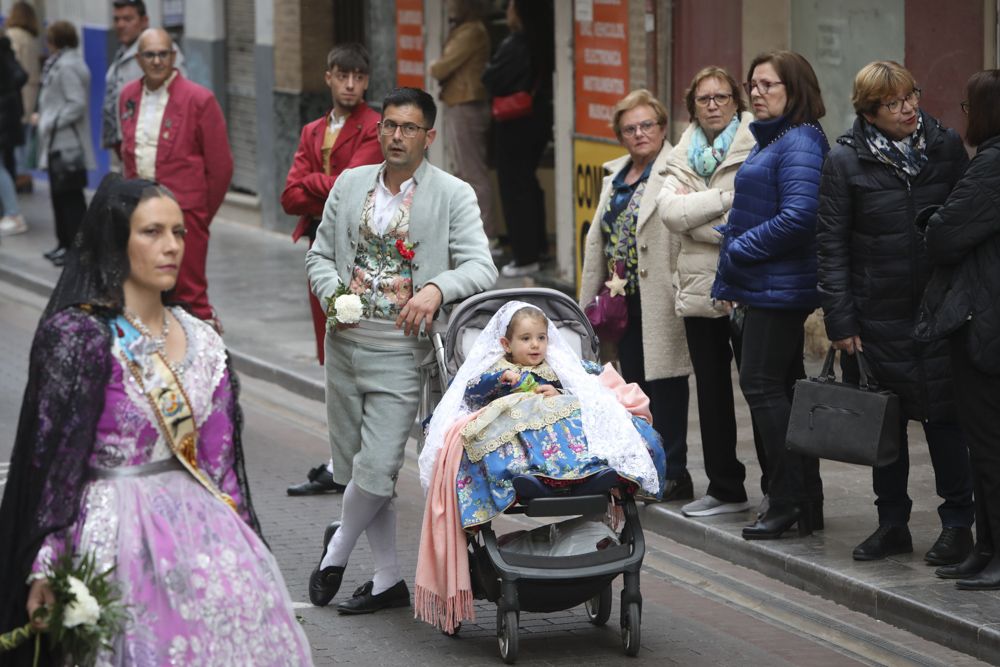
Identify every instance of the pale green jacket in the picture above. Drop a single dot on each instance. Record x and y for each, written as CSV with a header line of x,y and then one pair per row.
x,y
452,250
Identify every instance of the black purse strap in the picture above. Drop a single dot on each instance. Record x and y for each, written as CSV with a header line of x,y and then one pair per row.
x,y
866,380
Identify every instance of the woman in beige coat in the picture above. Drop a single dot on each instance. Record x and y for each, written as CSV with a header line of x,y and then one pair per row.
x,y
22,28
696,197
652,351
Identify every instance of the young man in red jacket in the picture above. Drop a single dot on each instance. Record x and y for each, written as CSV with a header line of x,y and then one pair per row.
x,y
345,137
173,132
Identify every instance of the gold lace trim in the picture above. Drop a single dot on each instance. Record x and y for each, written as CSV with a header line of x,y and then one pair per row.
x,y
474,437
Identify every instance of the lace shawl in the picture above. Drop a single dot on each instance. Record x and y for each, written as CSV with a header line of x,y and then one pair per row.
x,y
607,424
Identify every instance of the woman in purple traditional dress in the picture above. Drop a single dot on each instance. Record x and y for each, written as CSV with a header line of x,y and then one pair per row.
x,y
128,449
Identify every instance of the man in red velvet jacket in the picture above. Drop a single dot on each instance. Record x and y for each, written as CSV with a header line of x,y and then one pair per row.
x,y
173,132
345,137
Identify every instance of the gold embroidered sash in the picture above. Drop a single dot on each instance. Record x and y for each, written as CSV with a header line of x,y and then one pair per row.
x,y
175,420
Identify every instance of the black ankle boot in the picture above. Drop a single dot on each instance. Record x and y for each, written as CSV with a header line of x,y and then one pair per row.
x,y
973,564
988,578
779,519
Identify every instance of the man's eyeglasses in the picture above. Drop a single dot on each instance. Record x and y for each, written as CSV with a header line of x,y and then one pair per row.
x,y
764,86
409,130
154,55
965,107
912,98
721,99
646,126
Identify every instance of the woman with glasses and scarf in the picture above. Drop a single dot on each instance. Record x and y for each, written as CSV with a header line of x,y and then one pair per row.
x,y
695,199
896,160
767,263
962,304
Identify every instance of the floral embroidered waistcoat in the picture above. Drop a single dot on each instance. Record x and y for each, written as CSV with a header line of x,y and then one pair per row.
x,y
382,276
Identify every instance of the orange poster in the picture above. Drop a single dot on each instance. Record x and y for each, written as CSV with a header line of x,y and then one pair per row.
x,y
410,43
600,29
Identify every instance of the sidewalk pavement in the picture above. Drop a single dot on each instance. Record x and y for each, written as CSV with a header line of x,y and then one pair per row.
x,y
257,283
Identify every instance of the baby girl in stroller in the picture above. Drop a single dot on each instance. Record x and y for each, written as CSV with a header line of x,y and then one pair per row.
x,y
542,413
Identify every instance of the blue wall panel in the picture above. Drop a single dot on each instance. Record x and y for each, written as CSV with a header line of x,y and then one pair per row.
x,y
95,53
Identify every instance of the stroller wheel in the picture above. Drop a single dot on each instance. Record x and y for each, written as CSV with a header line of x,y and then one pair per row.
x,y
599,607
507,634
631,636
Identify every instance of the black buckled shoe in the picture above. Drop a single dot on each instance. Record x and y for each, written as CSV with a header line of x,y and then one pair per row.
x,y
887,540
678,489
974,563
364,602
320,481
952,546
324,583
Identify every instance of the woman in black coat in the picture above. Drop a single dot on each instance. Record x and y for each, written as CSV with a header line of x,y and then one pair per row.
x,y
962,303
524,62
895,161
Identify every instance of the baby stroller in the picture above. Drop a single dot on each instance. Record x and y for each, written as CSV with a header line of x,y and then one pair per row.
x,y
518,581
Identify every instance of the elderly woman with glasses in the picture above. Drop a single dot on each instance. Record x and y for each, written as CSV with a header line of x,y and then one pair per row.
x,y
628,250
696,198
896,160
767,263
962,304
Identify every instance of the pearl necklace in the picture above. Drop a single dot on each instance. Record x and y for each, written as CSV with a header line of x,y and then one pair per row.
x,y
159,341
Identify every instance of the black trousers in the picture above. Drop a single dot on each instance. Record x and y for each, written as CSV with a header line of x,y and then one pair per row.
x,y
668,397
713,344
949,458
772,361
69,209
520,144
978,397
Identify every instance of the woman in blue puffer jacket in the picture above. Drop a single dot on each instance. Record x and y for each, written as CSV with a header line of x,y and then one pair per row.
x,y
767,268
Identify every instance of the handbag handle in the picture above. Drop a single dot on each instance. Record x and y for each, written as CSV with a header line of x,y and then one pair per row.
x,y
866,381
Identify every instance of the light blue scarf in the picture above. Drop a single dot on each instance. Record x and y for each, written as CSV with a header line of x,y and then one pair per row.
x,y
705,159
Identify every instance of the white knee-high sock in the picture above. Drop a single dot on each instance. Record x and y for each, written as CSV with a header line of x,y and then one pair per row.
x,y
357,512
381,534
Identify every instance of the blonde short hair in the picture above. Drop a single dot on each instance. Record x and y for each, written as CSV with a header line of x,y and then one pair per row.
x,y
878,80
635,99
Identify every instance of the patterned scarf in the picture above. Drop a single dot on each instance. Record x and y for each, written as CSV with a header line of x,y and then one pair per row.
x,y
705,159
906,158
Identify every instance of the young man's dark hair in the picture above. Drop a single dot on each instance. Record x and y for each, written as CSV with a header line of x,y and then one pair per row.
x,y
983,99
139,5
400,97
351,57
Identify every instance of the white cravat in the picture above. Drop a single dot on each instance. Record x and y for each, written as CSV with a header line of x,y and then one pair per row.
x,y
386,203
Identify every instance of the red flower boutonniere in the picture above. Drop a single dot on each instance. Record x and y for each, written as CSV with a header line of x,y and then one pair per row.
x,y
406,250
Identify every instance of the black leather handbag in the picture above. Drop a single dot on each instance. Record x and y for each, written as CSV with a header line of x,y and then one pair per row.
x,y
67,172
845,422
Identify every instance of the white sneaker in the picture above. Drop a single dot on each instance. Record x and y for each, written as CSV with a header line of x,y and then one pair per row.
x,y
709,506
515,270
12,224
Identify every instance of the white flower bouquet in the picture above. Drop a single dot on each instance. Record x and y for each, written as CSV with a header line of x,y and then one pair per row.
x,y
344,307
86,616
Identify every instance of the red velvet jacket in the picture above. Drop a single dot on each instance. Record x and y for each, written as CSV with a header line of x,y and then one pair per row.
x,y
307,187
193,158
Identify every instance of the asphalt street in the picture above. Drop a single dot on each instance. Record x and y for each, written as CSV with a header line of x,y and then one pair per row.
x,y
698,610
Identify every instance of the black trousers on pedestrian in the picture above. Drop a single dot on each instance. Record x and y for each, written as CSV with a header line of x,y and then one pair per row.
x,y
949,458
668,397
713,344
69,209
772,362
520,144
978,398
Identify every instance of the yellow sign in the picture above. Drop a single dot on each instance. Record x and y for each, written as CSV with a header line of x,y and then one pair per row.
x,y
588,178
